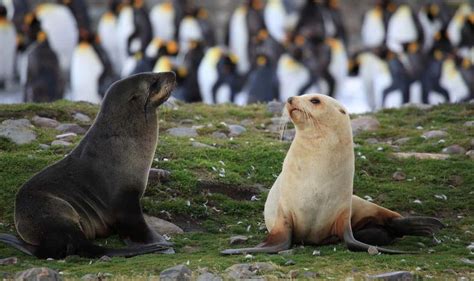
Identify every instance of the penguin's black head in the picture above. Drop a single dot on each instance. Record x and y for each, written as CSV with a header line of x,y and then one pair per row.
x,y
138,93
86,36
31,26
227,65
3,11
354,65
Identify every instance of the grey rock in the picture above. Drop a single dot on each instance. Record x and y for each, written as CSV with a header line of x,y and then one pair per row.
x,y
176,273
207,276
44,122
288,135
158,175
289,252
401,141
9,261
105,259
372,251
90,277
44,146
372,141
421,156
61,143
201,145
470,154
246,122
454,149
162,226
393,276
247,270
38,274
364,124
422,106
238,239
71,128
19,131
290,262
66,137
183,132
469,124
467,261
236,130
310,274
434,134
275,107
399,176
219,135
81,117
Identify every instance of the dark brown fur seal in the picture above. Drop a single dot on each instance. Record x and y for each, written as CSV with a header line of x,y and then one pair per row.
x,y
95,191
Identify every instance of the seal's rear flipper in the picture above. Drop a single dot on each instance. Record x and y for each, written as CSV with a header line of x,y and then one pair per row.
x,y
357,246
418,226
141,250
272,245
18,244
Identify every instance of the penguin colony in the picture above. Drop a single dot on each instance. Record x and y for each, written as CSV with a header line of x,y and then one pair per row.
x,y
272,50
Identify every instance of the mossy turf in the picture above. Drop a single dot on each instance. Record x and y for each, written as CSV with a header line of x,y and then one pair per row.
x,y
241,167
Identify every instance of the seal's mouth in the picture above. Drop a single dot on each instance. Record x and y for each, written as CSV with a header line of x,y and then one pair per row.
x,y
161,88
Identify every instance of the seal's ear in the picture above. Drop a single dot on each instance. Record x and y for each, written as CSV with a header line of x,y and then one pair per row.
x,y
342,111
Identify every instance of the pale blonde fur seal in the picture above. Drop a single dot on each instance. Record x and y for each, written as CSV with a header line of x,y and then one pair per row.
x,y
311,201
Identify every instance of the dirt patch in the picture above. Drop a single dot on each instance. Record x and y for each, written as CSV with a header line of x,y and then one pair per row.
x,y
234,191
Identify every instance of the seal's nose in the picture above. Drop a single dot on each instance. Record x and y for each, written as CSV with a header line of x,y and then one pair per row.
x,y
290,100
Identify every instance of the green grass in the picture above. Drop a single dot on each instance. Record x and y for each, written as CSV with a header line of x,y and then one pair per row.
x,y
252,161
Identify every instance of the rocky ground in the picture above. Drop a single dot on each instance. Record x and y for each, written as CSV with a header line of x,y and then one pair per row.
x,y
221,162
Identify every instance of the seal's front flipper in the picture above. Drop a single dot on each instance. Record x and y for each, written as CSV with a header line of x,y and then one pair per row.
x,y
279,239
18,244
417,226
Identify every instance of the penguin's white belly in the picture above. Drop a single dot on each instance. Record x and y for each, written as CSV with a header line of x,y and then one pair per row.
x,y
373,32
61,28
239,38
207,77
275,19
162,21
8,50
189,30
107,31
453,82
291,78
86,69
401,29
125,28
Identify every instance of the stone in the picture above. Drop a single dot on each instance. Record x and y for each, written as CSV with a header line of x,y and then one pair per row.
x,y
399,176
247,270
105,259
246,122
207,276
364,124
90,277
38,274
289,252
454,149
9,261
44,122
310,274
219,135
420,156
469,124
158,175
293,274
393,276
236,130
275,107
434,134
81,117
61,143
44,146
183,132
371,141
470,154
290,262
71,128
238,239
372,251
201,145
422,106
66,137
19,131
176,273
162,226
288,135
467,261
401,141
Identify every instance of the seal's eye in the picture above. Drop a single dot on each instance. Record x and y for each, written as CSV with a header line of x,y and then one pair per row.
x,y
315,101
133,98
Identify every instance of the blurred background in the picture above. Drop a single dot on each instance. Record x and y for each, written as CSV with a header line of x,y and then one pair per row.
x,y
369,54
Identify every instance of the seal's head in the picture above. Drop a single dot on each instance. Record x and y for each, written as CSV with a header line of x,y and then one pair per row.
x,y
316,116
142,92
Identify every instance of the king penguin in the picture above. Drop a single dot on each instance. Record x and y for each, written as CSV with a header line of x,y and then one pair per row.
x,y
189,30
44,82
107,31
292,77
375,22
80,10
276,19
8,53
86,69
403,27
457,22
61,28
262,84
162,17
